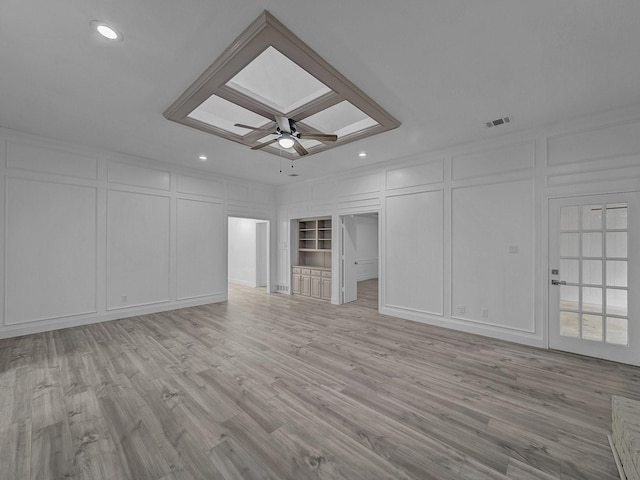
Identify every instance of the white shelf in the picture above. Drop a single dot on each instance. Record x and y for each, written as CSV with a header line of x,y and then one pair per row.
x,y
310,238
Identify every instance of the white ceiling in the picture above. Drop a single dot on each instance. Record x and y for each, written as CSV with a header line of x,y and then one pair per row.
x,y
441,67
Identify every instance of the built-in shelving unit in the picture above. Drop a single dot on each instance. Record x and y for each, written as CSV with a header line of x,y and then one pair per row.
x,y
311,276
324,234
314,235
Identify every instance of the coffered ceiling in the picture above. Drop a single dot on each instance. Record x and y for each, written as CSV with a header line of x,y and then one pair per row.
x,y
441,68
267,79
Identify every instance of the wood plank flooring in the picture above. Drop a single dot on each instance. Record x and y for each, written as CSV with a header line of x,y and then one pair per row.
x,y
280,387
368,294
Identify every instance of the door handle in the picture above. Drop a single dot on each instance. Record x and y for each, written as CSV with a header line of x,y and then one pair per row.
x,y
558,282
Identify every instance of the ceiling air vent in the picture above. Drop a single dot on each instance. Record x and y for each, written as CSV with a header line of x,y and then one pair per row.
x,y
498,121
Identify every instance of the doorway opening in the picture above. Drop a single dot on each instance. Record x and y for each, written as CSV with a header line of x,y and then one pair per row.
x,y
248,253
359,259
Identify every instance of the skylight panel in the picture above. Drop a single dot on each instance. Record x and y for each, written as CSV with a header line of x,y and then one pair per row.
x,y
274,80
222,114
342,119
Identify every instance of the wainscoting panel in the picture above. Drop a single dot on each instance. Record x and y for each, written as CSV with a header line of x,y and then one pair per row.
x,y
323,191
298,193
39,158
600,175
492,255
603,142
367,268
200,249
238,193
359,203
509,158
137,249
413,252
199,186
360,185
135,176
262,197
413,176
50,269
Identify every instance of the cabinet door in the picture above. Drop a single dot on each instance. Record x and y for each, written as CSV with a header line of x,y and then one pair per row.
x,y
316,287
295,283
305,285
326,289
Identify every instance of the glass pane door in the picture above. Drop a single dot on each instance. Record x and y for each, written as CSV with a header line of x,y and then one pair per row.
x,y
590,273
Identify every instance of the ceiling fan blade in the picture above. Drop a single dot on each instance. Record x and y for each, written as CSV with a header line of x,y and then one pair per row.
x,y
241,125
283,124
299,148
320,136
262,145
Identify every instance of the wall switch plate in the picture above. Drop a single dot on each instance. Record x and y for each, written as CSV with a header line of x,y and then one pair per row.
x,y
513,249
462,309
124,298
484,312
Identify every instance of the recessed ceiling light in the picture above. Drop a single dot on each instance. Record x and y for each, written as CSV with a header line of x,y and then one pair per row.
x,y
203,157
362,154
106,30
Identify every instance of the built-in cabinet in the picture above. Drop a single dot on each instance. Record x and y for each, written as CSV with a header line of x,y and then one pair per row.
x,y
311,282
311,276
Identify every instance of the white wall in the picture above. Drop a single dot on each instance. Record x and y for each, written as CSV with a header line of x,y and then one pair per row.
x,y
50,250
242,251
247,262
464,230
93,235
412,259
367,246
492,247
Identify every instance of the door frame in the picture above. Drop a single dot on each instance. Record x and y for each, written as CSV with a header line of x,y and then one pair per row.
x,y
267,246
347,269
337,254
262,253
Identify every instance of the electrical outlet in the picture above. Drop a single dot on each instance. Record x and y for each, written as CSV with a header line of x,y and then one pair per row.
x,y
484,312
124,298
462,309
513,249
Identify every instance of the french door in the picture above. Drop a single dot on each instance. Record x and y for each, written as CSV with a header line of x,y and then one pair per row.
x,y
594,276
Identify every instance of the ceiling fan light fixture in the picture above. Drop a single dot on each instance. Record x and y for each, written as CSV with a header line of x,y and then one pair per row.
x,y
286,141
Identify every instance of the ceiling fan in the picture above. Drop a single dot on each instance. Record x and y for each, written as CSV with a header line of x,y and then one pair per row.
x,y
288,136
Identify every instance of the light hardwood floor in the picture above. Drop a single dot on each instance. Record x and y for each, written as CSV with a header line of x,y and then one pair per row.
x,y
280,387
368,294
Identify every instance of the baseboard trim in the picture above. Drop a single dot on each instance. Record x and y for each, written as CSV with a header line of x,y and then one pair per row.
x,y
486,331
243,283
11,331
368,276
